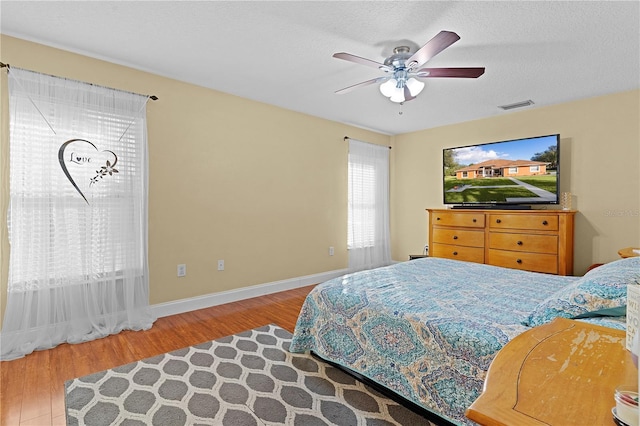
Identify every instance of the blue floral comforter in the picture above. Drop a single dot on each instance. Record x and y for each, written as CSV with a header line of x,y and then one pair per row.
x,y
427,329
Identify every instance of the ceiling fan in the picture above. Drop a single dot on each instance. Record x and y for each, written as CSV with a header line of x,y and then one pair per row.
x,y
403,70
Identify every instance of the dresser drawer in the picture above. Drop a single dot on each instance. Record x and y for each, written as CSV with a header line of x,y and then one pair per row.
x,y
468,254
517,221
537,262
471,219
459,237
524,242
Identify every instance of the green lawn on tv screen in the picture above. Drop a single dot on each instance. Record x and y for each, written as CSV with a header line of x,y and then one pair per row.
x,y
509,189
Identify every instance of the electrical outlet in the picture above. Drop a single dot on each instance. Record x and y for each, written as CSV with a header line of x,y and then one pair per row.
x,y
330,251
426,249
220,265
182,270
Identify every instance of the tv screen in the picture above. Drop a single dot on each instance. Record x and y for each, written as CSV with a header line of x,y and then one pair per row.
x,y
515,172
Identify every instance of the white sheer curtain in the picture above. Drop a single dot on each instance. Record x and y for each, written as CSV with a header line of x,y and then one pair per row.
x,y
368,236
77,216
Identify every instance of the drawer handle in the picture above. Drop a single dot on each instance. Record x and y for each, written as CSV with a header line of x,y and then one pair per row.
x,y
475,220
519,261
519,243
498,221
455,253
544,222
455,237
437,218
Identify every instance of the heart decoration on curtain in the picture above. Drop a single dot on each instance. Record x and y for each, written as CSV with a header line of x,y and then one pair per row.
x,y
79,158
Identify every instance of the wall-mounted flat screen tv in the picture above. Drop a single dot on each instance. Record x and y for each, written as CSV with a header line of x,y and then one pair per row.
x,y
517,172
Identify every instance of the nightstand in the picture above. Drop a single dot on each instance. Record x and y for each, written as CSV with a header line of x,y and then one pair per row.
x,y
417,256
628,252
560,373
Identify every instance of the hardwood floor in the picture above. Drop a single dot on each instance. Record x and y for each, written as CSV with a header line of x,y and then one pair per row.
x,y
32,388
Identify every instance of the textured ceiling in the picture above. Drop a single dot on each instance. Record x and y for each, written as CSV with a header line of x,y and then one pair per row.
x,y
280,53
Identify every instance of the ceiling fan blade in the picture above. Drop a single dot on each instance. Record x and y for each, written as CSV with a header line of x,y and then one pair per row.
x,y
441,41
362,61
449,72
364,83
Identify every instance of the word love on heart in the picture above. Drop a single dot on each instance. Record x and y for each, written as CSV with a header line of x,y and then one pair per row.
x,y
84,164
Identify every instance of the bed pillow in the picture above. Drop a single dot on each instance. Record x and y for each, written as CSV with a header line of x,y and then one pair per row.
x,y
601,291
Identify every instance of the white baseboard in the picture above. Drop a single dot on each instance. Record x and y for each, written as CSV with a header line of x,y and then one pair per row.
x,y
214,299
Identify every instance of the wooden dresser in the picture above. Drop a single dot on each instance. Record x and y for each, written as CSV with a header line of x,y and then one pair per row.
x,y
533,240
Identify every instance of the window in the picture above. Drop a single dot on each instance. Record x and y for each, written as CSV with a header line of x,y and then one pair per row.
x,y
534,169
362,203
77,219
368,219
513,170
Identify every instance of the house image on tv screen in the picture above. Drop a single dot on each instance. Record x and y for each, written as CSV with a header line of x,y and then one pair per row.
x,y
502,168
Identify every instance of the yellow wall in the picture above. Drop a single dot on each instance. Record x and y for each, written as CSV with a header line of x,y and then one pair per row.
x,y
265,188
600,166
261,187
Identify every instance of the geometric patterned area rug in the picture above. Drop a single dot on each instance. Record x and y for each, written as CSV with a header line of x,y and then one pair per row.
x,y
246,379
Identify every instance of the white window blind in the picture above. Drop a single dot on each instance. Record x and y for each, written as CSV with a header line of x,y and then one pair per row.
x,y
362,202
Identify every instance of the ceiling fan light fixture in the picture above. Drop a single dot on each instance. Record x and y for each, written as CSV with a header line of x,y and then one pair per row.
x,y
388,87
398,95
393,89
414,86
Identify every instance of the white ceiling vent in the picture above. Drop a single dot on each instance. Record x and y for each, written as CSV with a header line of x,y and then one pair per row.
x,y
516,105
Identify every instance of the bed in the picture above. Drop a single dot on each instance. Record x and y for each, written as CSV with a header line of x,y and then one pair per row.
x,y
427,329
